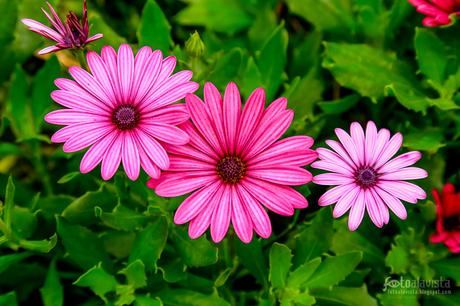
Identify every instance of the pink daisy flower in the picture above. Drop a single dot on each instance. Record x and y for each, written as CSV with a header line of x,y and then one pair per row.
x,y
235,165
437,11
123,110
366,176
73,34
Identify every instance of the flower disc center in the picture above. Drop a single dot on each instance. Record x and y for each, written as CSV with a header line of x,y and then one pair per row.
x,y
231,169
366,177
125,117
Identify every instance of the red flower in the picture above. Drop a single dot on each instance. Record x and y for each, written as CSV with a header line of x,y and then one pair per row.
x,y
448,218
437,11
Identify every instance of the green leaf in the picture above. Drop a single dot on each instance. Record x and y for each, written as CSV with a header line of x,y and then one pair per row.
x,y
408,96
449,267
184,297
280,264
251,78
430,140
195,253
327,15
299,276
68,177
10,11
8,260
118,243
52,291
174,270
149,243
253,259
135,274
345,241
431,55
81,210
225,16
337,107
272,60
226,68
98,280
122,218
8,210
42,87
390,299
144,300
154,29
308,246
346,296
77,240
9,299
366,69
42,246
334,269
98,25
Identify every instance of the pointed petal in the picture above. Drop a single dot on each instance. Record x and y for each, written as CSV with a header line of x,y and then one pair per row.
x,y
357,211
231,112
220,220
256,212
240,218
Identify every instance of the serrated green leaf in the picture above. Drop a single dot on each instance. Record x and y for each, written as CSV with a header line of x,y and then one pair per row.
x,y
42,246
144,300
149,243
299,276
77,240
387,299
431,54
195,253
190,298
52,291
135,274
98,280
8,260
218,15
280,263
154,29
334,269
122,218
346,296
430,140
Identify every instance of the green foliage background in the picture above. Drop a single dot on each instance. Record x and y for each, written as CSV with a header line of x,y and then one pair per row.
x,y
72,239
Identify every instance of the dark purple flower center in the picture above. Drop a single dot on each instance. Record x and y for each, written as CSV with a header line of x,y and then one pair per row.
x,y
125,117
366,177
231,169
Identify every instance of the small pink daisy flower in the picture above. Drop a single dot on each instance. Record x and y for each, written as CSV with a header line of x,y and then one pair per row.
x,y
366,176
235,165
73,34
437,11
123,110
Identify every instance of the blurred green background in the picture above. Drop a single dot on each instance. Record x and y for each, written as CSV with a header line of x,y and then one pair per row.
x,y
72,239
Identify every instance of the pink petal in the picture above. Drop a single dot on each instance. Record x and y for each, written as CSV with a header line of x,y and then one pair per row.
x,y
95,154
189,152
70,116
130,156
220,220
339,157
250,117
393,203
49,49
382,208
284,175
291,151
267,197
185,164
409,173
94,37
166,133
370,142
345,202
110,57
112,158
382,139
214,102
154,149
231,113
403,190
258,215
166,68
332,179
147,163
89,83
86,135
41,29
334,194
390,149
176,184
240,218
401,161
349,146
357,211
100,72
146,72
125,64
372,209
357,135
77,98
195,203
202,122
172,114
325,165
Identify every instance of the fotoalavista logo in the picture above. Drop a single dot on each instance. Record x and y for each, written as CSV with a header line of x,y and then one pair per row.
x,y
403,285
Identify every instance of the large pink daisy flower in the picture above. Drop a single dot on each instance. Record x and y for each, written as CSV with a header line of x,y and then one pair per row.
x,y
366,176
235,165
123,110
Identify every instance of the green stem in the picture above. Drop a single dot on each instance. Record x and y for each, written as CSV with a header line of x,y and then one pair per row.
x,y
81,58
